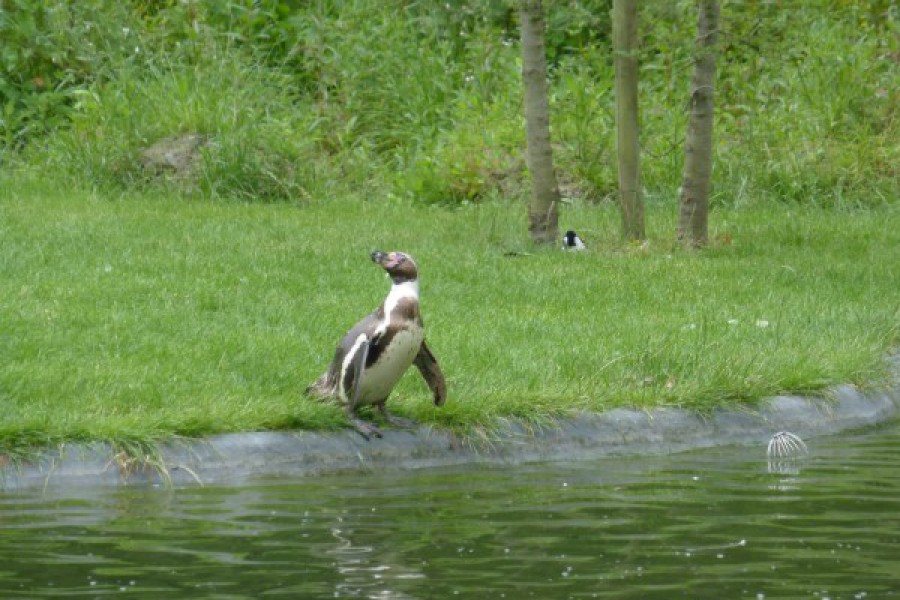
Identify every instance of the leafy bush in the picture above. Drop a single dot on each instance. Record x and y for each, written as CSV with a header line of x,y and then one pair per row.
x,y
50,50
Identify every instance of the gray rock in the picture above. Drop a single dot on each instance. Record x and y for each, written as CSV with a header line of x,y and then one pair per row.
x,y
176,156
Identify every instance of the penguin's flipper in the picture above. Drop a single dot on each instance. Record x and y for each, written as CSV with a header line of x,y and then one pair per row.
x,y
352,379
357,364
431,371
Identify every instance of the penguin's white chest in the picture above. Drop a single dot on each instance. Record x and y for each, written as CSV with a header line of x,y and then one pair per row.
x,y
380,378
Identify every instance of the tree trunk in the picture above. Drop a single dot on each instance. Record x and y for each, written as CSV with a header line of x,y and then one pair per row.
x,y
543,209
625,43
694,205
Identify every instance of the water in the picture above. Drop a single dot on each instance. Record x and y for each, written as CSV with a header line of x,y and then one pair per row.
x,y
705,524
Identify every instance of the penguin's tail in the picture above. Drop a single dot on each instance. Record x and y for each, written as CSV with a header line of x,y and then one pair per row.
x,y
324,388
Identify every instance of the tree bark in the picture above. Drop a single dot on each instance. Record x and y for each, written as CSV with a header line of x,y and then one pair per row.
x,y
694,203
543,209
625,44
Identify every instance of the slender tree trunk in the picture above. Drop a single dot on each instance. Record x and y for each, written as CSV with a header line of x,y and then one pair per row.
x,y
625,44
543,209
694,205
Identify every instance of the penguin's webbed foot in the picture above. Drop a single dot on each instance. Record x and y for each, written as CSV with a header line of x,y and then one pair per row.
x,y
401,422
365,428
395,420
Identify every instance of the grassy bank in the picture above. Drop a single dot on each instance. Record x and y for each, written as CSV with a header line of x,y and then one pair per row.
x,y
139,317
158,306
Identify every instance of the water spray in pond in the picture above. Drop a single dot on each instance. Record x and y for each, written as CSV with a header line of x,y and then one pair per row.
x,y
785,444
783,448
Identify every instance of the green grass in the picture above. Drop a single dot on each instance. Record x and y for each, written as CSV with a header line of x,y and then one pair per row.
x,y
155,307
136,318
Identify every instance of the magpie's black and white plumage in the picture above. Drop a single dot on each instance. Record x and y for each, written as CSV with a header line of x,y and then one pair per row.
x,y
372,357
571,241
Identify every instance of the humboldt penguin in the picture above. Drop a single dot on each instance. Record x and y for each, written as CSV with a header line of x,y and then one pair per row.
x,y
571,241
372,357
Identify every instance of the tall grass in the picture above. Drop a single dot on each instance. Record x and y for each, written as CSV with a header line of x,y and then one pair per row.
x,y
424,100
254,152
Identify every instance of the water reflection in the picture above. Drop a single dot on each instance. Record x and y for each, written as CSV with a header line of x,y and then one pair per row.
x,y
709,524
365,571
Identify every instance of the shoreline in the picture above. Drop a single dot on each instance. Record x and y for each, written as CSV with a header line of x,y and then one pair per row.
x,y
237,457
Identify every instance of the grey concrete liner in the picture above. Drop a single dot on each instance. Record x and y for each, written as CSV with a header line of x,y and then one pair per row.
x,y
233,458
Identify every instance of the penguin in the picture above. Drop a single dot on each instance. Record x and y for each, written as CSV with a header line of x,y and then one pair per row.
x,y
571,241
372,357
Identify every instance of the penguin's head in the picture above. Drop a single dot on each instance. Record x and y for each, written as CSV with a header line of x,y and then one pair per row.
x,y
399,267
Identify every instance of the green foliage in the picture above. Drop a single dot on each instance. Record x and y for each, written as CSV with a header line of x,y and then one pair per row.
x,y
423,100
575,26
480,154
50,49
586,154
805,107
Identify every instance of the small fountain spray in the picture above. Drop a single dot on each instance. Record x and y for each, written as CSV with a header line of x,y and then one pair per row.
x,y
784,447
785,444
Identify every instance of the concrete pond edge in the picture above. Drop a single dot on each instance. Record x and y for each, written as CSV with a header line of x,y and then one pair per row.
x,y
233,458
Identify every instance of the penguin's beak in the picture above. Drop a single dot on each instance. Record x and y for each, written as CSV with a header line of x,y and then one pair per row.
x,y
387,260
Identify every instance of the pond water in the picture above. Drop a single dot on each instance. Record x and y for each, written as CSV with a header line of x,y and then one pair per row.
x,y
716,523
